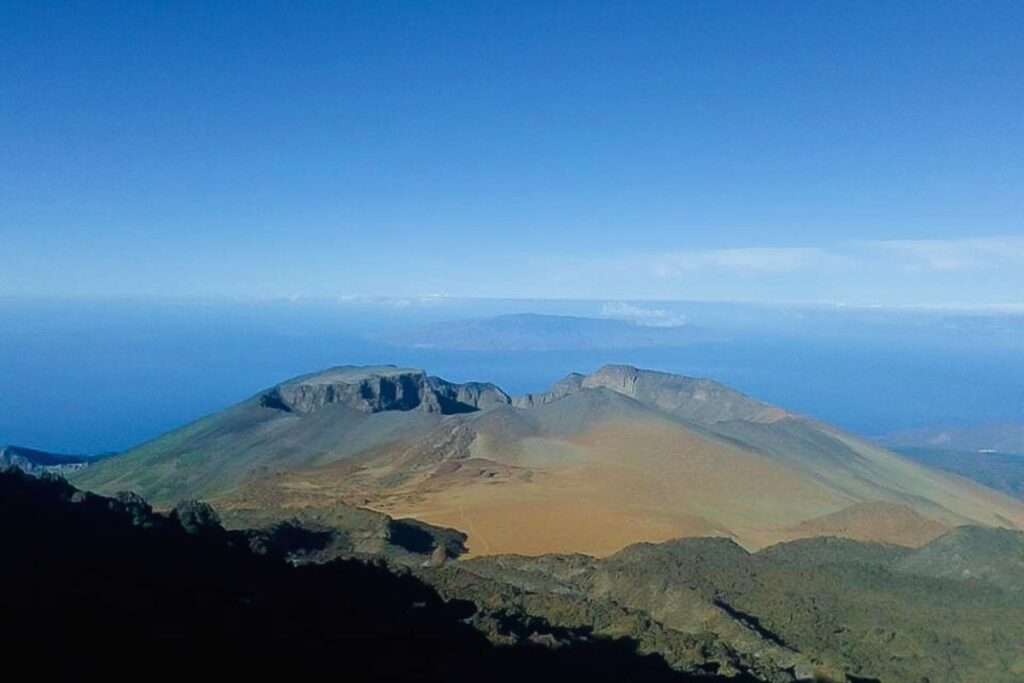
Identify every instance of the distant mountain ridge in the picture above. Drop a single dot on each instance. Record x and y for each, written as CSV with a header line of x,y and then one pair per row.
x,y
539,332
35,461
999,471
992,455
598,462
996,438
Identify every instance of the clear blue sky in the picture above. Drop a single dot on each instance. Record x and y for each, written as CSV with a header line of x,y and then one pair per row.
x,y
782,151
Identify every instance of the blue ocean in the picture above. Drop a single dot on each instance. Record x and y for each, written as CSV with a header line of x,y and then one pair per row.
x,y
92,377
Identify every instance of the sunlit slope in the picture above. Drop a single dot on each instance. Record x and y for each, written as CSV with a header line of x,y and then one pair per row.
x,y
215,455
603,461
624,472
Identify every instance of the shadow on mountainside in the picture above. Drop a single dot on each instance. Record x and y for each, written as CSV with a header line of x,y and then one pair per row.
x,y
148,593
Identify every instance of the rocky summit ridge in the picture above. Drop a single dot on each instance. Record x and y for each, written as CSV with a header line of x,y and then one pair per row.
x,y
372,389
375,389
697,399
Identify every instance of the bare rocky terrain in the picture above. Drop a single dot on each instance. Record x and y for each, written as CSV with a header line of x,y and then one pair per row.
x,y
599,462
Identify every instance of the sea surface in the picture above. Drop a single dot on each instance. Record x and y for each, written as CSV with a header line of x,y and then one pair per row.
x,y
91,377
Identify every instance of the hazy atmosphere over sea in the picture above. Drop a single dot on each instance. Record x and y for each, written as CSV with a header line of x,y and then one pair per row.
x,y
100,376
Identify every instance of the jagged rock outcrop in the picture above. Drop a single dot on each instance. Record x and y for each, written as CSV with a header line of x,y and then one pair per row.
x,y
377,389
197,518
321,535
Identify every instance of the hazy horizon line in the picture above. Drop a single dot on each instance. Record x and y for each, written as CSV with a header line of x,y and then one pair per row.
x,y
400,301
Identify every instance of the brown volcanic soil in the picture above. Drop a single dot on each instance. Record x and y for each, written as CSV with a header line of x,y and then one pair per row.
x,y
614,458
875,522
615,484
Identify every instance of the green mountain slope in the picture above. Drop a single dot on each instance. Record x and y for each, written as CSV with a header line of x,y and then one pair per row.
x,y
834,608
1002,472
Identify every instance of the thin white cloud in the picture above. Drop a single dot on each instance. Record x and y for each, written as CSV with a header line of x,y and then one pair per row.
x,y
945,273
908,255
641,315
954,255
399,302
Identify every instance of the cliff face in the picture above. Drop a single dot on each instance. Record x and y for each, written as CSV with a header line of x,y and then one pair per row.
x,y
376,389
476,395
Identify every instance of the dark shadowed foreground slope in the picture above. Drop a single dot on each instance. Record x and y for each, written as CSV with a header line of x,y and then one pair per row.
x,y
148,594
108,579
